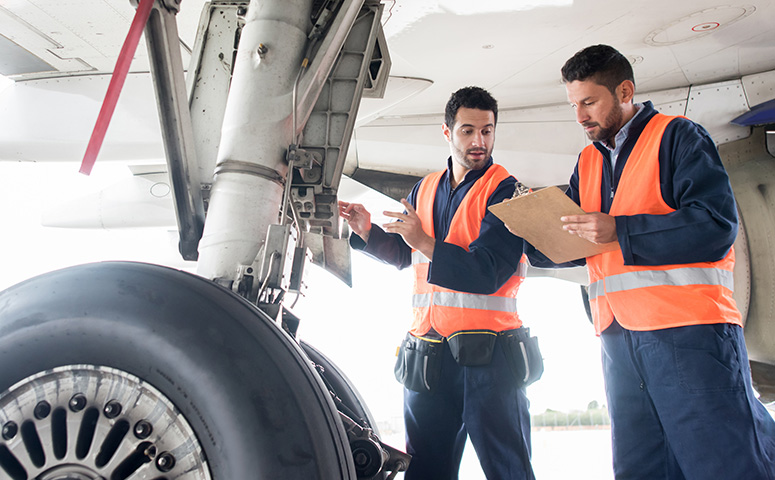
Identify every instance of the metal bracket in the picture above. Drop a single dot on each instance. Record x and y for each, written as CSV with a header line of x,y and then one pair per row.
x,y
302,158
361,66
276,264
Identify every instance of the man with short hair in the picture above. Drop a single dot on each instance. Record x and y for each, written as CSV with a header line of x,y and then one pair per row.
x,y
455,361
674,358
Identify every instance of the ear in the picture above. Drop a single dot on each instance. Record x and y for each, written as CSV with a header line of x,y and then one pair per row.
x,y
626,90
446,131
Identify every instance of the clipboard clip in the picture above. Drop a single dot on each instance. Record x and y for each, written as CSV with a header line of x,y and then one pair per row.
x,y
520,189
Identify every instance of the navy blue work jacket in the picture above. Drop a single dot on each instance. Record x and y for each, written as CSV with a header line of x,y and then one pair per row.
x,y
490,260
693,181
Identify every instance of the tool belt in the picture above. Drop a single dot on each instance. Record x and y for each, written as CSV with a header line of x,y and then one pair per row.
x,y
522,354
418,366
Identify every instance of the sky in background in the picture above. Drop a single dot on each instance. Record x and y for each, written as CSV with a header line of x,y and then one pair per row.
x,y
358,328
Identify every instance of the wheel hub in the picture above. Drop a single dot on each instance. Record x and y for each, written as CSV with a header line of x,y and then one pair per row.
x,y
85,422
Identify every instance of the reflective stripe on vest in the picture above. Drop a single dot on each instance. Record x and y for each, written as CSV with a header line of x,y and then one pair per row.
x,y
654,278
452,298
678,277
448,311
649,297
465,300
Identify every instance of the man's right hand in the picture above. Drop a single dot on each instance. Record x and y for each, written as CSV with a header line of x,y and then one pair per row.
x,y
358,217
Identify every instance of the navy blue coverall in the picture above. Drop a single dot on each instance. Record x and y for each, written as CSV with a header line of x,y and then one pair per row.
x,y
482,402
680,399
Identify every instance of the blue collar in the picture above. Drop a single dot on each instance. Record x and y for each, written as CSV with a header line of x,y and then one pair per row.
x,y
621,135
470,176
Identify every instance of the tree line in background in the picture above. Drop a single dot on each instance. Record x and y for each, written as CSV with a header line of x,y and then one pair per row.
x,y
594,416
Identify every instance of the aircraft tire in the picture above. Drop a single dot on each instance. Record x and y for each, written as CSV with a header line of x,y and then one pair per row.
x,y
114,369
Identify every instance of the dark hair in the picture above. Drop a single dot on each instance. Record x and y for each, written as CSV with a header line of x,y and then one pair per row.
x,y
469,97
600,63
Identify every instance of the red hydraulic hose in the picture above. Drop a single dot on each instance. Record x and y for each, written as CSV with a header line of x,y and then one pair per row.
x,y
116,83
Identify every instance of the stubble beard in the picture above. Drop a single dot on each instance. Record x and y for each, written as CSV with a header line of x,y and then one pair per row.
x,y
461,157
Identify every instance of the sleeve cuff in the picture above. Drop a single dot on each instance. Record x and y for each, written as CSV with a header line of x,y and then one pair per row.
x,y
376,238
623,235
439,273
356,242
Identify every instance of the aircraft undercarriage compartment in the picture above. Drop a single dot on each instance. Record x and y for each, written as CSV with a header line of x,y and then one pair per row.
x,y
128,370
750,165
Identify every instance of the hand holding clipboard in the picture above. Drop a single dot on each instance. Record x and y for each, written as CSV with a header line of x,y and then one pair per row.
x,y
536,216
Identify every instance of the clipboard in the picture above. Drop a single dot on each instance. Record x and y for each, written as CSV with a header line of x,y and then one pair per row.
x,y
536,216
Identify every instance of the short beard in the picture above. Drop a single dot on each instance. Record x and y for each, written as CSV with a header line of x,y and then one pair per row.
x,y
613,123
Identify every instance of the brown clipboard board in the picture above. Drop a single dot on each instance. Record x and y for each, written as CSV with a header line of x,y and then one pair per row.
x,y
536,216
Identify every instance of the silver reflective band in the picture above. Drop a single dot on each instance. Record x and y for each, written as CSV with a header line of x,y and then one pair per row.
x,y
596,289
521,270
425,373
421,300
418,257
656,278
525,361
675,277
465,300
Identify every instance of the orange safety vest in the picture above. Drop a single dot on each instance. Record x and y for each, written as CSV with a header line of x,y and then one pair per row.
x,y
449,311
649,297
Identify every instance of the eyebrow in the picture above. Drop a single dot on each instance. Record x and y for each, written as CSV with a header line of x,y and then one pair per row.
x,y
473,126
583,99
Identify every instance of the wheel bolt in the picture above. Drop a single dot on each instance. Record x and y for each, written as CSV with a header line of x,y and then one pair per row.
x,y
10,430
42,410
150,452
77,402
112,409
143,429
165,462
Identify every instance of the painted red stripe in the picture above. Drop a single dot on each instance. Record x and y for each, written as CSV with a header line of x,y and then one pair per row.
x,y
116,84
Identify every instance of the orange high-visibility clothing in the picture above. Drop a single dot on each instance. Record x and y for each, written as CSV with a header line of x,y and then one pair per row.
x,y
448,311
649,297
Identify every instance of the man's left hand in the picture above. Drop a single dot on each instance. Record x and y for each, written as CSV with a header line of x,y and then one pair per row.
x,y
409,227
596,227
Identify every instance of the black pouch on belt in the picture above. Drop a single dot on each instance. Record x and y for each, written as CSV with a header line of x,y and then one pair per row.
x,y
522,354
472,348
418,365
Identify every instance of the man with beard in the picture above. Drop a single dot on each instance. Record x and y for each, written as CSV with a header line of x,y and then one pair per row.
x,y
674,358
455,361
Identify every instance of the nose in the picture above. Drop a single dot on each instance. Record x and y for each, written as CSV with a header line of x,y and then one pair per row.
x,y
581,114
478,140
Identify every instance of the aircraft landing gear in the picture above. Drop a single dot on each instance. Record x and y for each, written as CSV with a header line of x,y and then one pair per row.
x,y
117,369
